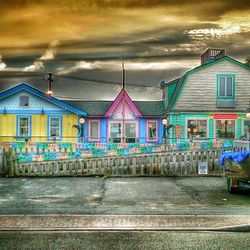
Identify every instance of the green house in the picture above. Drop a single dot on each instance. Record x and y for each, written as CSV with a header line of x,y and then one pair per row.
x,y
209,102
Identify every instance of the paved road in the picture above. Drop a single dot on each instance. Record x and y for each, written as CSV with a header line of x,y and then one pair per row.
x,y
125,240
167,196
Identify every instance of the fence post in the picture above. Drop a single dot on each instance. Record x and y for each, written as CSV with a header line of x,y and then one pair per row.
x,y
10,163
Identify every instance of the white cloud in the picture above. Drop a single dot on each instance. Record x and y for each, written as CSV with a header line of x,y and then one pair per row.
x,y
36,66
50,53
129,65
2,64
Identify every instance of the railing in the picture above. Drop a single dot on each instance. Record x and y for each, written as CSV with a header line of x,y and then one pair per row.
x,y
157,164
241,145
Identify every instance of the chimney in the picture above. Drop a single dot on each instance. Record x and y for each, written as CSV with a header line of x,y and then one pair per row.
x,y
211,55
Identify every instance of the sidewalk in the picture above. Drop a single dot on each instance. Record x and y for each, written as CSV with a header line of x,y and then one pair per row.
x,y
124,222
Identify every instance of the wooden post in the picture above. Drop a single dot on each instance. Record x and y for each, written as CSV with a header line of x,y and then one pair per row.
x,y
10,163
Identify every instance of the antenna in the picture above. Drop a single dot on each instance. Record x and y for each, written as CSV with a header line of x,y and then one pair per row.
x,y
123,76
49,91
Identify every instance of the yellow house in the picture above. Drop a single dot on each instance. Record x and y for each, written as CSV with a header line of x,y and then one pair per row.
x,y
27,113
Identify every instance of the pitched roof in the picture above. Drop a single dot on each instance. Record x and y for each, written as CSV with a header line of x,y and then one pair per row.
x,y
123,95
180,81
37,92
96,108
99,108
148,108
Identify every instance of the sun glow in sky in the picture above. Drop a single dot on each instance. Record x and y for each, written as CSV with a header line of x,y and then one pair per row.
x,y
157,39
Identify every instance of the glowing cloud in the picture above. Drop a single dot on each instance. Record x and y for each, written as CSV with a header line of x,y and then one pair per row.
x,y
2,64
50,53
36,66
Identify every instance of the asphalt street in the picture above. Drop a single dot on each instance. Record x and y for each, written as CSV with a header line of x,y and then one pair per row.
x,y
166,196
190,209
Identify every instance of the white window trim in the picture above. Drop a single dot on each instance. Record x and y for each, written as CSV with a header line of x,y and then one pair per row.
x,y
199,119
119,121
60,127
235,129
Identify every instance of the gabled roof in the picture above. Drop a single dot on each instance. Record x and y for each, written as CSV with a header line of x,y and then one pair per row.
x,y
99,108
151,108
181,81
95,108
123,94
37,92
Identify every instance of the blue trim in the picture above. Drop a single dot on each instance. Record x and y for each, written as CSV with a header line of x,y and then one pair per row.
x,y
24,86
18,126
60,128
218,86
34,112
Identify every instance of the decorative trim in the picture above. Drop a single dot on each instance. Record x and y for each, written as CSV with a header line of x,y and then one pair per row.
x,y
118,99
36,92
35,112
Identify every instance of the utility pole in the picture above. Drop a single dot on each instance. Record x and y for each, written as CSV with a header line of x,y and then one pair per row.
x,y
123,104
50,81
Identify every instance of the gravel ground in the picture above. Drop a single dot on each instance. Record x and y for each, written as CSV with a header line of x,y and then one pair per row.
x,y
125,240
183,196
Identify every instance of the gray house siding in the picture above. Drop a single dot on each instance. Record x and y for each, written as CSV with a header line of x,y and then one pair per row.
x,y
200,88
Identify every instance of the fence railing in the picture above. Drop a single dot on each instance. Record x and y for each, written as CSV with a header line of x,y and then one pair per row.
x,y
157,164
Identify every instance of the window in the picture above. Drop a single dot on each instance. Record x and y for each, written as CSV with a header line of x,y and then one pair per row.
x,y
225,87
55,127
197,128
24,101
151,130
94,130
23,126
225,129
246,129
130,132
115,132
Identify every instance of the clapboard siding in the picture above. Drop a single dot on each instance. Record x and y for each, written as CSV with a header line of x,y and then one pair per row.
x,y
199,91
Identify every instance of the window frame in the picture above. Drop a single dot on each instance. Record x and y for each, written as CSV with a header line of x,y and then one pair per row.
x,y
156,132
233,86
235,129
24,106
197,119
123,136
49,126
18,126
98,130
243,127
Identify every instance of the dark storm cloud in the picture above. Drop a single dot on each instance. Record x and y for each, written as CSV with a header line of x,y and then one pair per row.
x,y
88,39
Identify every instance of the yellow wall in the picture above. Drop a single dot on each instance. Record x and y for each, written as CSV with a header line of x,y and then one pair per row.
x,y
67,130
39,127
7,127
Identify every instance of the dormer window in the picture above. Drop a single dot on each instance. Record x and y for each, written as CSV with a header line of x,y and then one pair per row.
x,y
24,101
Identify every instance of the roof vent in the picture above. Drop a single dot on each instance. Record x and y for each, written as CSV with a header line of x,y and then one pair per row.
x,y
212,54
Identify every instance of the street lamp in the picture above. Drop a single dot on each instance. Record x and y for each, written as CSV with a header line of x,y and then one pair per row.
x,y
248,112
164,123
81,121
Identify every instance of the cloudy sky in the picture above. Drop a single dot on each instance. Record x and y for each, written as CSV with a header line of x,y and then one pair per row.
x,y
84,42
